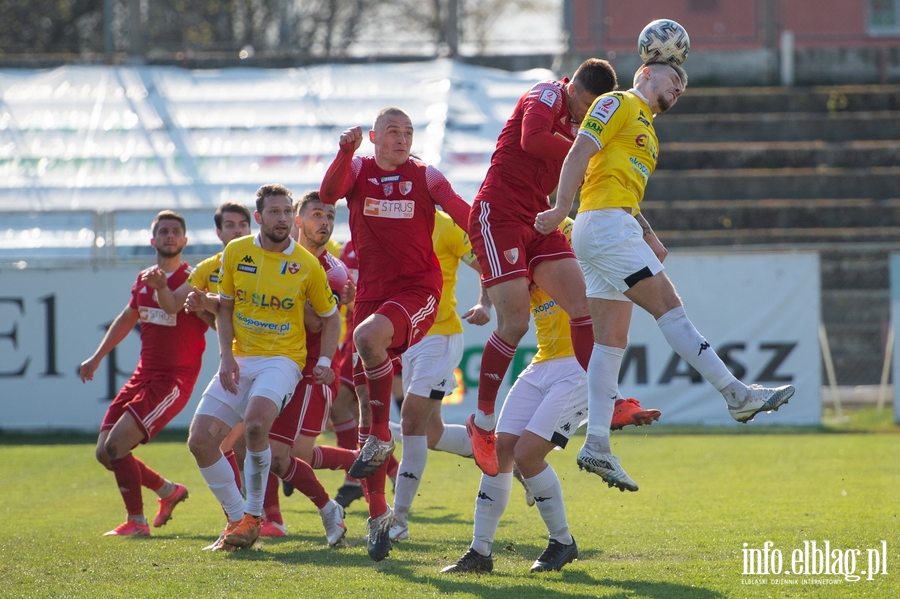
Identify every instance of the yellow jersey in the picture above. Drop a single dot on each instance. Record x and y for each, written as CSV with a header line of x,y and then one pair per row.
x,y
621,124
206,274
451,244
551,323
269,290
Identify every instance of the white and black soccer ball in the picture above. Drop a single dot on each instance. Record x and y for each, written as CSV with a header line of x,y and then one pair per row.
x,y
664,40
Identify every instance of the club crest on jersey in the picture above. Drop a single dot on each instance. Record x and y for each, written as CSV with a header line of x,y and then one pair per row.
x,y
290,267
512,256
387,188
405,187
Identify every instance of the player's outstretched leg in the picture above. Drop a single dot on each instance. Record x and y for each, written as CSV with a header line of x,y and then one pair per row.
x,y
757,399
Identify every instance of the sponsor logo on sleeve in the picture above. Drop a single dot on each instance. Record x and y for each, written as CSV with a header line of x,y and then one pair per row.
x,y
604,108
548,97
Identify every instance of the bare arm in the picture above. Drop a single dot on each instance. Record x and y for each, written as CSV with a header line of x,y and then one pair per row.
x,y
651,238
331,333
116,332
480,313
170,301
570,179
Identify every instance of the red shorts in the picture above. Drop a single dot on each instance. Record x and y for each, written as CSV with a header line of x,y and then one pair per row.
x,y
307,412
412,312
153,399
508,248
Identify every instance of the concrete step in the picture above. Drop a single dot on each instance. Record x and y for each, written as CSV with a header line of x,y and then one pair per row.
x,y
827,99
778,154
768,236
782,215
796,183
778,126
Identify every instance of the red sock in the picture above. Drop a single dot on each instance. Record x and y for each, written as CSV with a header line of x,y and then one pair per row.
x,y
304,480
494,363
128,477
271,505
232,459
332,458
345,434
582,339
392,466
380,380
150,478
374,486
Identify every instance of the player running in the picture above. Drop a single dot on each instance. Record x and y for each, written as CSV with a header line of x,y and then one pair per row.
x,y
171,349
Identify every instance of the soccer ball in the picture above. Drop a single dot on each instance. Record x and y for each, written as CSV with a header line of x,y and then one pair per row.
x,y
664,40
338,275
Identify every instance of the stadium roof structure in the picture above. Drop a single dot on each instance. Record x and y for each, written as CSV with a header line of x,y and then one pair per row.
x,y
90,140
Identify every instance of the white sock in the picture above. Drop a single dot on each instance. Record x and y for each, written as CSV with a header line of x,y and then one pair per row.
x,y
485,422
167,488
603,388
256,473
220,479
409,474
456,440
688,343
493,496
549,498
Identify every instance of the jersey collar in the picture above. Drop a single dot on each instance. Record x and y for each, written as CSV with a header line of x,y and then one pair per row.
x,y
287,251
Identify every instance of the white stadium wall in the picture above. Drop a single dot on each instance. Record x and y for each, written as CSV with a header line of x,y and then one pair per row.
x,y
760,310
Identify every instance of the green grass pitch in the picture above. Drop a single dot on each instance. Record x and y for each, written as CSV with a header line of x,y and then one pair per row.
x,y
702,497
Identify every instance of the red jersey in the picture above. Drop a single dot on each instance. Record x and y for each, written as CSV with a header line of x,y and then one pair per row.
x,y
530,151
170,343
314,340
348,257
391,221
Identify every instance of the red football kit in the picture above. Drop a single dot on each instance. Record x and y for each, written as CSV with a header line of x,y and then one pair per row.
x,y
524,171
307,412
172,346
391,222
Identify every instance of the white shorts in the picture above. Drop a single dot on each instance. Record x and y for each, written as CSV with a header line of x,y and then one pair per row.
x,y
272,377
549,399
429,364
612,252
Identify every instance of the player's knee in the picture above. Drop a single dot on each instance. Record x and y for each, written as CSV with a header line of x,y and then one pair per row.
x,y
513,329
102,456
255,432
280,464
202,447
115,450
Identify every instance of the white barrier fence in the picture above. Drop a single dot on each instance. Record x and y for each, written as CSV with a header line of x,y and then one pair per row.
x,y
760,311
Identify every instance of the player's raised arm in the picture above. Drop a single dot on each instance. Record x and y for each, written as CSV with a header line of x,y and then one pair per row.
x,y
338,179
542,106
